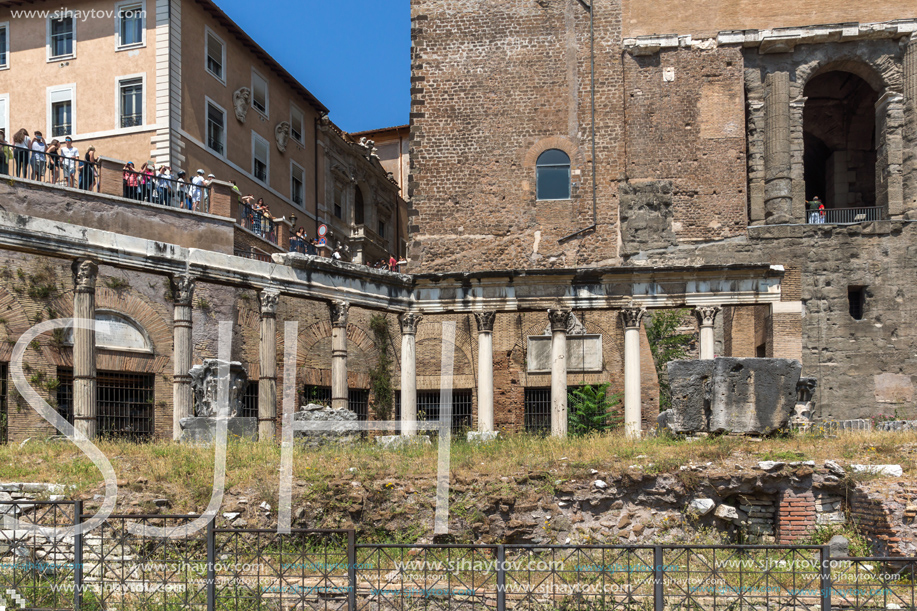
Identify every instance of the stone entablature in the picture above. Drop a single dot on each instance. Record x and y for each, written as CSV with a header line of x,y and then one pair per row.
x,y
777,40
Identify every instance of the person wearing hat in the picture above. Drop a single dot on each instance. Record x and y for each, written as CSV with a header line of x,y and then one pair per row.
x,y
184,190
71,159
197,190
37,160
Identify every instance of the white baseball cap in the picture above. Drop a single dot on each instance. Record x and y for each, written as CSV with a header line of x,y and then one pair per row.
x,y
200,171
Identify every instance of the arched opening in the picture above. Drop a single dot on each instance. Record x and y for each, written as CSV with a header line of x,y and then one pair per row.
x,y
359,209
553,175
839,130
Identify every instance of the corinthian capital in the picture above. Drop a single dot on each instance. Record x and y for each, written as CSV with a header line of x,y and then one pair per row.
x,y
409,322
85,273
485,321
559,320
182,290
269,299
632,317
706,315
339,312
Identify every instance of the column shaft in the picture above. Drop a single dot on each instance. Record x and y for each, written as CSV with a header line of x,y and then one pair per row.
x,y
909,169
706,319
85,414
559,320
778,182
182,395
485,322
339,398
409,323
267,382
633,409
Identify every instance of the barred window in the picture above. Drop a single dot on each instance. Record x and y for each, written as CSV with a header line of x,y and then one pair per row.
x,y
124,403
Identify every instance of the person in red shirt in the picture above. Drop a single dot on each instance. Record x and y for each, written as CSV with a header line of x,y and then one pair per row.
x,y
393,263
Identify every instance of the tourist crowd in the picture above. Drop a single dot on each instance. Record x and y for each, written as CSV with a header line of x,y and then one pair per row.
x,y
33,158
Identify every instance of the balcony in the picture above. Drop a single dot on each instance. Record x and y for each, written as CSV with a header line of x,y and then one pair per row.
x,y
846,216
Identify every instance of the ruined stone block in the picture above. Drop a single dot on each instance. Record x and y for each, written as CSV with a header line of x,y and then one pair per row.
x,y
691,384
753,396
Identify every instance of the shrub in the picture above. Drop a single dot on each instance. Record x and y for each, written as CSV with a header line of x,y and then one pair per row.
x,y
591,410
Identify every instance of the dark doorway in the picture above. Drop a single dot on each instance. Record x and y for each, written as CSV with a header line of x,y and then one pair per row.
x,y
839,129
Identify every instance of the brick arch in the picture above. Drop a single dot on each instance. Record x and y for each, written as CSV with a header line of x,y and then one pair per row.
x,y
314,371
428,331
553,142
17,322
880,80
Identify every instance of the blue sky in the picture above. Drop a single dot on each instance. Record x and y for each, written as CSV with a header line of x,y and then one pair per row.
x,y
353,55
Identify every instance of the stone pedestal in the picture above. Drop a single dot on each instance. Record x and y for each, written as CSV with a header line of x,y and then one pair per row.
x,y
85,415
559,319
182,396
339,313
267,382
409,322
202,431
633,410
485,322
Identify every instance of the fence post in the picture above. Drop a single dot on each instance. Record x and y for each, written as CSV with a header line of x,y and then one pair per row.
x,y
658,578
501,578
77,556
211,566
826,578
352,569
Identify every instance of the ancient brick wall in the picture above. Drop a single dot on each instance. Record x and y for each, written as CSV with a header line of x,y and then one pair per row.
x,y
795,516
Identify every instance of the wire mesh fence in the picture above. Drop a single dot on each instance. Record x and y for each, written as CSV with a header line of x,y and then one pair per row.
x,y
125,565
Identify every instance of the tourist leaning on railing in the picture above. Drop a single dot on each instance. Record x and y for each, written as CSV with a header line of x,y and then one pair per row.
x,y
37,162
71,161
5,154
53,155
89,170
21,144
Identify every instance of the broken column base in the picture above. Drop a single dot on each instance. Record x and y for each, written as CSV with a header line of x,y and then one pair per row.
x,y
479,437
202,431
393,442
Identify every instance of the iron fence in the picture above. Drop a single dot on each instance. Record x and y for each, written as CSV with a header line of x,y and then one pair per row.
x,y
122,565
166,190
845,216
256,222
52,168
302,246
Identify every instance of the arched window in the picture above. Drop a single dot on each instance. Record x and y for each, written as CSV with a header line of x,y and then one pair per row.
x,y
553,175
359,212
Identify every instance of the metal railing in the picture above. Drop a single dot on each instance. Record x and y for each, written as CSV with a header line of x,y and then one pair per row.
x,y
122,565
257,223
51,168
302,246
166,191
845,216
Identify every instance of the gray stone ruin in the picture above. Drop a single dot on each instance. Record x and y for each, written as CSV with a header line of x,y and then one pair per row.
x,y
205,384
732,395
320,413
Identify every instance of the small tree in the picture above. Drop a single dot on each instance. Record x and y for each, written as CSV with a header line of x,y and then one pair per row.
x,y
591,410
667,344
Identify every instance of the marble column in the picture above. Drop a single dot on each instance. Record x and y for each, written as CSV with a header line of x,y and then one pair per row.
x,y
706,319
339,313
485,322
267,381
85,410
182,396
633,412
559,320
778,182
409,322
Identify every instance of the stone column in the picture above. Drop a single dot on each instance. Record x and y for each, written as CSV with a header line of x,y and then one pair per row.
x,y
890,148
633,412
909,169
339,312
85,413
756,131
559,320
267,381
182,396
706,319
485,370
409,322
778,182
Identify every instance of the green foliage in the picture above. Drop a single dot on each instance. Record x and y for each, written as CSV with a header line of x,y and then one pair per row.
x,y
591,410
859,544
117,284
666,344
380,376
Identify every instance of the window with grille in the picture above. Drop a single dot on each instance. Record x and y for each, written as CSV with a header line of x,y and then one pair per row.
x,y
216,128
250,400
4,45
260,158
216,55
124,402
61,37
259,93
357,399
297,182
130,25
131,102
60,111
428,408
538,410
320,395
4,409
